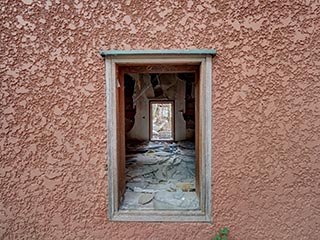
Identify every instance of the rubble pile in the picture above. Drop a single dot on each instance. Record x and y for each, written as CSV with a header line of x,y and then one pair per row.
x,y
160,175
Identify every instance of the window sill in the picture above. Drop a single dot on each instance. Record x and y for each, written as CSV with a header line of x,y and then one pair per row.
x,y
161,216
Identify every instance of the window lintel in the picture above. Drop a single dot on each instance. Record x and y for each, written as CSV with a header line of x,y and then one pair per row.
x,y
105,53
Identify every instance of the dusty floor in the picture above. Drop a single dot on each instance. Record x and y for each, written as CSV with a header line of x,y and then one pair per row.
x,y
160,175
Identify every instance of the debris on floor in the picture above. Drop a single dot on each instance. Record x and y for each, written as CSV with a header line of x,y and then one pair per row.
x,y
160,175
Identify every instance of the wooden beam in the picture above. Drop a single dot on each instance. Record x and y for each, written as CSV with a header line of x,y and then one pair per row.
x,y
158,68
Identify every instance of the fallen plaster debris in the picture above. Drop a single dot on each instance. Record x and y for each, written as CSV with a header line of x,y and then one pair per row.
x,y
145,198
160,175
140,190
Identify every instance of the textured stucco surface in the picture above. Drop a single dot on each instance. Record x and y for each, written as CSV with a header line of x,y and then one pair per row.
x,y
266,121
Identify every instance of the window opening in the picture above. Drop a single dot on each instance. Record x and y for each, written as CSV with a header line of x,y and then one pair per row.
x,y
133,80
160,166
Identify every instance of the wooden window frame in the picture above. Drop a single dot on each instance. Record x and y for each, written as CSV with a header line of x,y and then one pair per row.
x,y
115,150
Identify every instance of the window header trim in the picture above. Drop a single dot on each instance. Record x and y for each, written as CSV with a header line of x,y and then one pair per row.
x,y
105,53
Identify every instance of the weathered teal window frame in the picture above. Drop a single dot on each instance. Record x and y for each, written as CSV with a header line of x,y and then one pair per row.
x,y
204,59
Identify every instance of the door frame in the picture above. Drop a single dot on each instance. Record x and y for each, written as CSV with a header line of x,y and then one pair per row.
x,y
173,129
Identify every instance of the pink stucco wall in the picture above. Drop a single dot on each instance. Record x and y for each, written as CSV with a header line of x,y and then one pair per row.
x,y
266,121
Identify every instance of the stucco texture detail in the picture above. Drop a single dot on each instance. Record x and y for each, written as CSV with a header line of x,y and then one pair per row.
x,y
266,114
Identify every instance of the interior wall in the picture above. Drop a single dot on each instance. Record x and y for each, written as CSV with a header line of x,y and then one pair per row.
x,y
180,103
174,89
266,129
140,129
